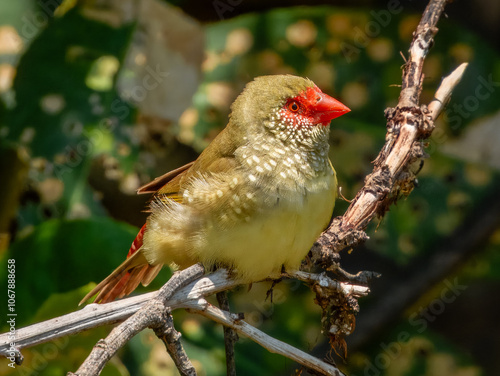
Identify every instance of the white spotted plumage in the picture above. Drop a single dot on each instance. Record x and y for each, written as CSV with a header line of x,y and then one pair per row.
x,y
254,201
267,210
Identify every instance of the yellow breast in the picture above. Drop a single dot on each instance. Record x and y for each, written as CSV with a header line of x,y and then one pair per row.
x,y
280,235
255,242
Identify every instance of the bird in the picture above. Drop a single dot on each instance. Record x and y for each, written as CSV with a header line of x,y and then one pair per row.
x,y
254,201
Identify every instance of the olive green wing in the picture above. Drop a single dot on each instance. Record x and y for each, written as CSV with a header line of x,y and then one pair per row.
x,y
218,157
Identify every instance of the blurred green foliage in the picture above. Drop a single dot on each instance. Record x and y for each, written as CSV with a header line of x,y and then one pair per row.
x,y
64,111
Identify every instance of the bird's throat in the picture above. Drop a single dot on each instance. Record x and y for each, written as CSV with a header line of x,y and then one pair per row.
x,y
288,160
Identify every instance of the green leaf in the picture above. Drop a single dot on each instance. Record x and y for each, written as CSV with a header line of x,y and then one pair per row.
x,y
62,255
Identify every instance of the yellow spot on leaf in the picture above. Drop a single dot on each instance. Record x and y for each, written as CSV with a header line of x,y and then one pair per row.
x,y
102,73
355,95
462,53
407,26
7,74
239,42
52,103
302,33
50,190
380,49
220,95
10,41
339,24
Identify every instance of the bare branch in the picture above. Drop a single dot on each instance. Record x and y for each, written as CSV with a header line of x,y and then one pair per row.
x,y
443,93
324,281
407,125
172,340
268,342
152,314
230,336
95,315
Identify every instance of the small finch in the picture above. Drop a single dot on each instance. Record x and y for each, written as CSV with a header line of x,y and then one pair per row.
x,y
254,201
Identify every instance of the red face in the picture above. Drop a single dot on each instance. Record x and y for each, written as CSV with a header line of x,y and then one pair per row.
x,y
312,107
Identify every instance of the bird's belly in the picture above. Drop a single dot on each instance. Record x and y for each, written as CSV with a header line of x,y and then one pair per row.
x,y
279,235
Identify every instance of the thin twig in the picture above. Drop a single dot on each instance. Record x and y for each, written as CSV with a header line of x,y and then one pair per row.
x,y
172,340
268,342
230,336
324,281
443,93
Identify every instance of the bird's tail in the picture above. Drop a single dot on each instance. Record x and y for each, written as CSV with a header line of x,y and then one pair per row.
x,y
124,279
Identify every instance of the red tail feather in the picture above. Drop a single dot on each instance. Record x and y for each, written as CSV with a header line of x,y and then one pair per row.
x,y
137,243
124,279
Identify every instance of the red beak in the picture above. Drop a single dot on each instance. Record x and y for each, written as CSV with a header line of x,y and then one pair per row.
x,y
328,108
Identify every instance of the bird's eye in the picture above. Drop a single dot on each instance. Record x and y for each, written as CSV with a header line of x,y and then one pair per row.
x,y
293,106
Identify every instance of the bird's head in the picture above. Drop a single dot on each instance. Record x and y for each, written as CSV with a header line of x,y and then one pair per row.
x,y
285,102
